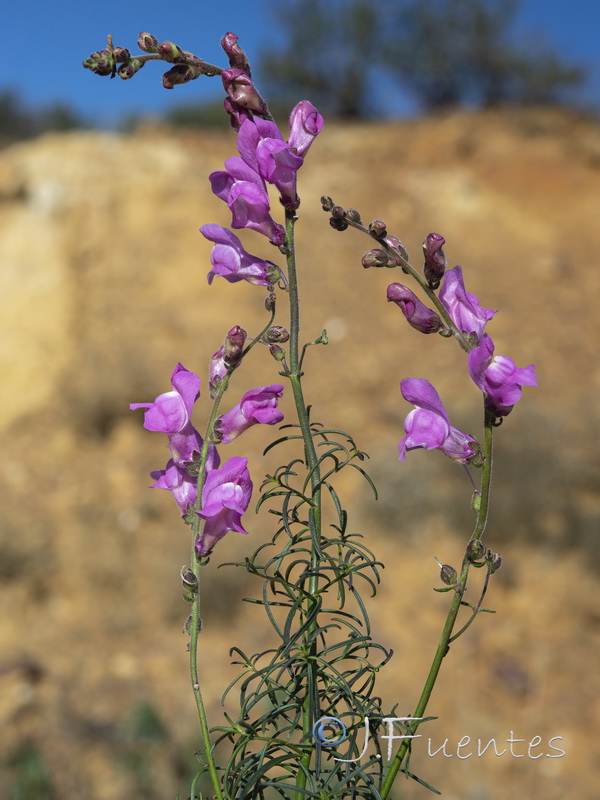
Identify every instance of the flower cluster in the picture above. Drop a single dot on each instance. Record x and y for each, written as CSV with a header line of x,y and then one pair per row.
x,y
501,382
264,157
227,489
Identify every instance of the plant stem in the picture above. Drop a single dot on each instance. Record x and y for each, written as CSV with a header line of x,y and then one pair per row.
x,y
443,646
295,376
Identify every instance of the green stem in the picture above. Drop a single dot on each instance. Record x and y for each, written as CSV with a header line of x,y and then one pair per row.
x,y
295,376
444,643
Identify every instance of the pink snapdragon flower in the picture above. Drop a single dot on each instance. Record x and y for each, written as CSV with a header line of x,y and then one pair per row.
x,y
498,377
428,425
171,411
462,306
261,145
243,189
305,125
232,262
177,480
419,316
259,405
225,497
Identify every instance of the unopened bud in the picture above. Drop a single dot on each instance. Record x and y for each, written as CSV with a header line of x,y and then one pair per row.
x,y
276,334
327,203
121,54
147,42
242,91
178,74
235,54
435,260
448,574
270,302
101,62
188,579
277,352
375,258
171,52
420,317
338,224
378,229
129,69
475,550
396,245
494,562
337,212
353,215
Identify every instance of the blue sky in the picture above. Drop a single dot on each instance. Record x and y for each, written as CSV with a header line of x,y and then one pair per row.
x,y
46,42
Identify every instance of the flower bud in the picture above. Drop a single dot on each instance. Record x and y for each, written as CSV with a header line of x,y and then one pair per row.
x,y
235,54
448,574
277,352
147,42
378,229
276,334
353,215
494,561
171,52
121,54
242,91
270,302
101,62
188,579
475,550
435,260
129,69
420,317
180,73
338,224
398,247
327,203
375,258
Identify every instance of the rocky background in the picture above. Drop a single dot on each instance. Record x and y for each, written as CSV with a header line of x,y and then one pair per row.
x,y
103,291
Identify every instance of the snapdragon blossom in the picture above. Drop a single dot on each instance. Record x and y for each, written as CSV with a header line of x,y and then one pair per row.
x,y
179,482
232,262
498,377
225,497
171,411
261,145
258,405
428,425
243,189
462,306
305,125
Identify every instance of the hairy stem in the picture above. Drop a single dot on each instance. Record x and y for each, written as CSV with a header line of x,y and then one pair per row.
x,y
295,376
444,643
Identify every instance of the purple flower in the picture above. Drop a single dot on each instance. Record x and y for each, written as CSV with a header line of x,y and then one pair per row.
x,y
261,146
242,188
170,412
305,125
257,405
177,480
462,306
232,262
498,377
418,315
428,425
225,497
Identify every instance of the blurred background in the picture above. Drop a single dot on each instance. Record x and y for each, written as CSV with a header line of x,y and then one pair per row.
x,y
474,119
